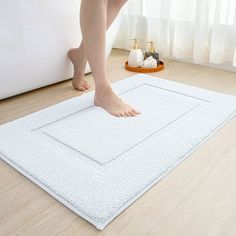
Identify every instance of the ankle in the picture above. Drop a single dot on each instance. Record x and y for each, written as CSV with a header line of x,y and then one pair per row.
x,y
103,88
76,54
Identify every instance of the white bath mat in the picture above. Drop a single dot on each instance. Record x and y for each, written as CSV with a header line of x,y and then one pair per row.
x,y
97,164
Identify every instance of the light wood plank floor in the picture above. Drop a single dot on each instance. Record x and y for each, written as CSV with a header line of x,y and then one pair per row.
x,y
197,199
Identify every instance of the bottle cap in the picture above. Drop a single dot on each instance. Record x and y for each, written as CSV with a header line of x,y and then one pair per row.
x,y
135,46
151,49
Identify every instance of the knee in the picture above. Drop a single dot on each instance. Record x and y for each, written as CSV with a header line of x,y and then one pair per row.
x,y
120,3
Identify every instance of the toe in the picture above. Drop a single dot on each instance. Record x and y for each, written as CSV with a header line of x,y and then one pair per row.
x,y
133,110
126,114
80,88
132,113
86,85
123,114
114,114
136,111
85,88
118,114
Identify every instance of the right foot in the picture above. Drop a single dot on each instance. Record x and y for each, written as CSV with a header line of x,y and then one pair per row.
x,y
110,102
79,63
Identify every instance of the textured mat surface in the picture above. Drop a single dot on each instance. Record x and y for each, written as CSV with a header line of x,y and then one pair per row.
x,y
97,164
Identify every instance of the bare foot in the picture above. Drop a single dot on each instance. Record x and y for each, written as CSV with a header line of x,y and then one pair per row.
x,y
79,62
110,102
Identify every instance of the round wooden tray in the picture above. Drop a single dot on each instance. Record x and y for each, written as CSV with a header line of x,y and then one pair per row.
x,y
160,67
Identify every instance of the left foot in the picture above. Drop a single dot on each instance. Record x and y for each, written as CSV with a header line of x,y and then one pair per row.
x,y
79,63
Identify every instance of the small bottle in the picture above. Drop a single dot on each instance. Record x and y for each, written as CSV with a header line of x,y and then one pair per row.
x,y
135,56
152,53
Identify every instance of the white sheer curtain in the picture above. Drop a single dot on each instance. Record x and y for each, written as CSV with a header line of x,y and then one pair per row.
x,y
201,31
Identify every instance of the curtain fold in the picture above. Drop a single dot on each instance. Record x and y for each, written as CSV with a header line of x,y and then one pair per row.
x,y
201,31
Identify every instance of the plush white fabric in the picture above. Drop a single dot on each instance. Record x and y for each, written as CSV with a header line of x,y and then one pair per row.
x,y
97,164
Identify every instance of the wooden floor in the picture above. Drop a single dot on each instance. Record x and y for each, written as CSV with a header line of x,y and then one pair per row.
x,y
197,199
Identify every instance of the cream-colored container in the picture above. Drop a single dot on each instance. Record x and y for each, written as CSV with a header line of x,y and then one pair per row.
x,y
149,62
135,56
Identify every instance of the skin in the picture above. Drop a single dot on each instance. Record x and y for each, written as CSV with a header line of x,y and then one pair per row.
x,y
103,13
